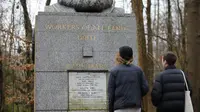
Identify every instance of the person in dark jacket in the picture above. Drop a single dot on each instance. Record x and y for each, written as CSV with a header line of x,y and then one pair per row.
x,y
127,84
168,93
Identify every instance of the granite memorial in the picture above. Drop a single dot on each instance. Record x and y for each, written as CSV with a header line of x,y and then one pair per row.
x,y
75,47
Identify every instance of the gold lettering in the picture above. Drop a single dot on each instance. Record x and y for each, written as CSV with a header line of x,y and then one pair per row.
x,y
95,27
109,27
88,37
82,27
59,26
88,65
72,27
102,28
124,28
68,26
100,65
75,27
86,27
116,28
89,27
49,26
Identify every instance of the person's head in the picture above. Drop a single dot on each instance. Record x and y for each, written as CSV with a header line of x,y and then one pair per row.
x,y
125,55
168,59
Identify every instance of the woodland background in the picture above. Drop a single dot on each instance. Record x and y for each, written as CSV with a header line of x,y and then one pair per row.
x,y
162,25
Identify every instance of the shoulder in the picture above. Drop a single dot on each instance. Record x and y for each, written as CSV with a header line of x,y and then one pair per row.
x,y
159,76
166,73
171,71
124,68
137,68
115,68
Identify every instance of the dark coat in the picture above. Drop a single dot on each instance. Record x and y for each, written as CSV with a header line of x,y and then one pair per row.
x,y
126,87
168,93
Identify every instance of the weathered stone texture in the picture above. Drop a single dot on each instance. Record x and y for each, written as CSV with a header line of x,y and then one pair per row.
x,y
68,42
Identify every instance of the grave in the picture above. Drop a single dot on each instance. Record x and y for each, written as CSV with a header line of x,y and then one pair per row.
x,y
74,53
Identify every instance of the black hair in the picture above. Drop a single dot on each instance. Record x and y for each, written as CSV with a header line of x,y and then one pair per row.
x,y
170,58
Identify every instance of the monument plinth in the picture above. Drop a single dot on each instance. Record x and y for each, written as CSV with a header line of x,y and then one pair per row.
x,y
74,53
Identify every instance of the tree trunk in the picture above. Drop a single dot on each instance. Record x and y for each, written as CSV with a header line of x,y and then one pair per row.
x,y
28,30
1,68
12,29
150,73
193,35
137,7
157,29
48,2
184,39
1,84
169,27
183,60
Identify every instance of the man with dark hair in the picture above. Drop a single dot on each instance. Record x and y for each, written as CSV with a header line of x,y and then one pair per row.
x,y
170,58
168,93
127,83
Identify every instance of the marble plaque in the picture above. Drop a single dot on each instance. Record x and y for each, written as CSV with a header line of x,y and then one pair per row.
x,y
87,91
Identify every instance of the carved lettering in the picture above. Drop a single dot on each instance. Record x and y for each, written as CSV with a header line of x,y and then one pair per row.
x,y
89,66
89,27
118,28
89,37
88,85
49,26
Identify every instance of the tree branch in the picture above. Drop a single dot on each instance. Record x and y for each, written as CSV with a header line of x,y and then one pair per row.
x,y
154,35
17,37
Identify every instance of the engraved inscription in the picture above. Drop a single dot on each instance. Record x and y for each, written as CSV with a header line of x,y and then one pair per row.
x,y
88,27
87,90
86,65
86,37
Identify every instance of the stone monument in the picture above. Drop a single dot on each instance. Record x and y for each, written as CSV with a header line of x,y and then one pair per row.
x,y
75,47
100,6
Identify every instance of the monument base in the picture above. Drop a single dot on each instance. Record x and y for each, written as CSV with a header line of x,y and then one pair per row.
x,y
74,53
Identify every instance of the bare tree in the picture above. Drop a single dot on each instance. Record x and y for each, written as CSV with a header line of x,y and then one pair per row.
x,y
28,29
193,52
2,98
1,83
12,28
169,26
150,73
182,37
157,29
28,33
137,6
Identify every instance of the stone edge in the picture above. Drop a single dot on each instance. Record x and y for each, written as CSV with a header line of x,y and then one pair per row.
x,y
85,14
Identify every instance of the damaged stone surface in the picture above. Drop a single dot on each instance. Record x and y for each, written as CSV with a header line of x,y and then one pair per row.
x,y
92,6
